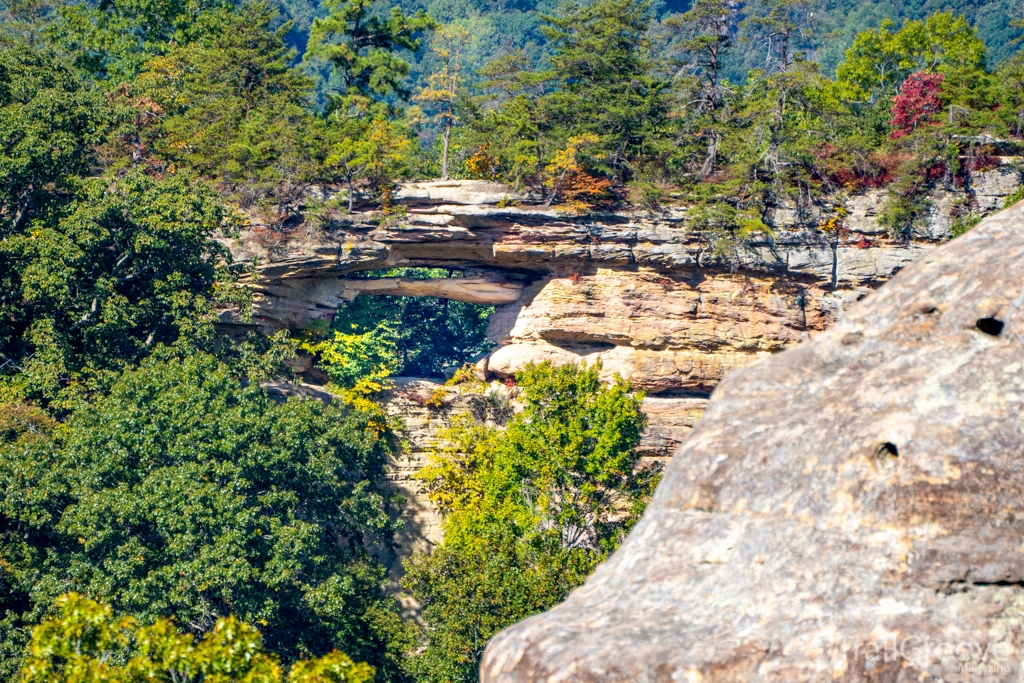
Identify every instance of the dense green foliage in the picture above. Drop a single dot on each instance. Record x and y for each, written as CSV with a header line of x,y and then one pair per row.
x,y
180,493
228,104
375,337
363,50
126,266
429,334
140,462
87,644
529,509
828,28
624,125
629,101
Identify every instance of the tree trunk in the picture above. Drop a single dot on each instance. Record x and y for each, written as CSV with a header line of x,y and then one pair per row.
x,y
444,151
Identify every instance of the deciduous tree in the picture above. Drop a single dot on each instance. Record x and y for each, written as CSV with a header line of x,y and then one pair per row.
x,y
442,86
88,644
528,510
183,494
880,59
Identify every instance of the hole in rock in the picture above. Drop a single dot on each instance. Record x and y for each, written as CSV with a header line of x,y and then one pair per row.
x,y
885,456
990,326
888,450
410,336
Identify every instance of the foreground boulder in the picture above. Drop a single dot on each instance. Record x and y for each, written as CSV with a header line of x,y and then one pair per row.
x,y
851,509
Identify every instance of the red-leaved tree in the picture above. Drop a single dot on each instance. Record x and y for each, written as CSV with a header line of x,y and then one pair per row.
x,y
918,100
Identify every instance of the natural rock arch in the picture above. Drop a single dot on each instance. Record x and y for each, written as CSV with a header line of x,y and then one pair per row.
x,y
637,291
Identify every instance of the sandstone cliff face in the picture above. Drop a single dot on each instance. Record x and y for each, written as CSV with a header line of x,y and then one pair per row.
x,y
848,510
640,292
680,330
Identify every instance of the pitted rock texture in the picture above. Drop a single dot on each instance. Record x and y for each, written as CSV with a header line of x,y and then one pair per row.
x,y
851,509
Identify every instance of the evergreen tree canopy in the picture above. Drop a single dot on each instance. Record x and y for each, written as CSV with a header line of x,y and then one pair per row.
x,y
230,104
113,39
601,57
364,50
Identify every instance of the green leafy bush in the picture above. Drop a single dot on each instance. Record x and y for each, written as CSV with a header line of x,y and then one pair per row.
x,y
529,510
360,357
1017,196
963,224
183,494
87,644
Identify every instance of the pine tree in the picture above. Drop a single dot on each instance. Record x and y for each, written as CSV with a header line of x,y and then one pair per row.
x,y
705,40
231,105
601,58
364,50
780,28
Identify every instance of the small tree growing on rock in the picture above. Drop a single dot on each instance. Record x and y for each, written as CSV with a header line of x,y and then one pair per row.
x,y
442,86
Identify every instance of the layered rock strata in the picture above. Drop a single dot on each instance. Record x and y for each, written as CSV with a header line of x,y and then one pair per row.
x,y
641,292
848,510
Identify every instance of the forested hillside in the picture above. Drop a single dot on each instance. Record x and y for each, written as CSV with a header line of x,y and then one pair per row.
x,y
141,464
827,31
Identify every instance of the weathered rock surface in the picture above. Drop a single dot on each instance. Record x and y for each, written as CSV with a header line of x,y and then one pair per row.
x,y
453,192
640,292
851,509
421,427
328,294
677,331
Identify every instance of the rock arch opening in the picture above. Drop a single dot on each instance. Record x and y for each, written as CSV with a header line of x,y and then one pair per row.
x,y
428,321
